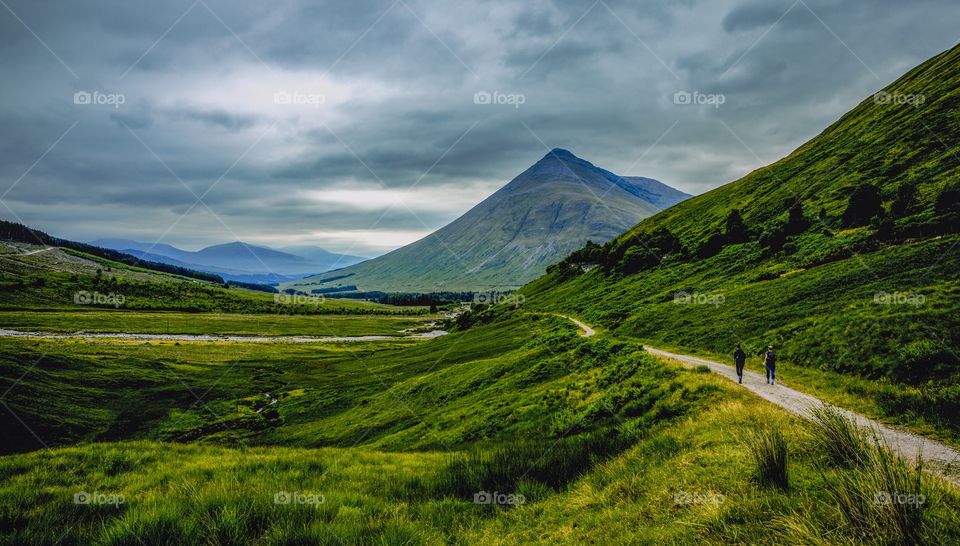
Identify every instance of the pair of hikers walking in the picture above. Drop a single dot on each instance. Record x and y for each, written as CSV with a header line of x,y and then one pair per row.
x,y
769,362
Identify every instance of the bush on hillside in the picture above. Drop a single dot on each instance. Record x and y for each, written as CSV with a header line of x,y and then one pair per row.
x,y
735,232
864,204
905,202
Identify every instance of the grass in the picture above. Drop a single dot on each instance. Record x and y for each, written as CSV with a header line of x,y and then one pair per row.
x,y
840,438
598,440
768,448
880,497
167,322
833,340
858,394
58,279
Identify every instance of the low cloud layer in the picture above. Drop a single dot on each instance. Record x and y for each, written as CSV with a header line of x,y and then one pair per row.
x,y
362,126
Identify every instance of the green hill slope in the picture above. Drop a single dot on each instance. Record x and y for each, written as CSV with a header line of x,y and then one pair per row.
x,y
844,255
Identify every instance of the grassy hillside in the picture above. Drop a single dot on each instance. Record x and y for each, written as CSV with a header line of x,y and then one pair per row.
x,y
879,142
593,440
844,255
37,277
511,377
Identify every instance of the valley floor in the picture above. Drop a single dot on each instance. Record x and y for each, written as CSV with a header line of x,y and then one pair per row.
x,y
521,429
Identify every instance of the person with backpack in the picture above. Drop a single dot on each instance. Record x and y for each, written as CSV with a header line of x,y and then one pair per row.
x,y
770,363
739,360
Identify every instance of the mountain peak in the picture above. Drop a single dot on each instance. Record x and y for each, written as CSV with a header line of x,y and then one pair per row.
x,y
561,153
560,163
509,239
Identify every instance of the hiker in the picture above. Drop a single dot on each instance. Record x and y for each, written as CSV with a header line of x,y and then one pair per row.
x,y
770,363
739,360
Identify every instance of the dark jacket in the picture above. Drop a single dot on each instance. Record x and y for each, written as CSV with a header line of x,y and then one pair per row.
x,y
739,357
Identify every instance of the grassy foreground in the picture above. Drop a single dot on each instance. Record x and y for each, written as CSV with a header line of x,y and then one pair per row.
x,y
584,440
687,481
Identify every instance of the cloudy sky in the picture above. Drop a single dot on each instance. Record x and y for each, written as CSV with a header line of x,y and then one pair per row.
x,y
356,125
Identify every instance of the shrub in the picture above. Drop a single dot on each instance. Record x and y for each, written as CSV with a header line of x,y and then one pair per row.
x,y
905,202
886,499
865,203
839,438
768,447
922,360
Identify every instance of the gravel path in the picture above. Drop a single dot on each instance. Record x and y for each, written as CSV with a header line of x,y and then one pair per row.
x,y
941,458
193,337
587,331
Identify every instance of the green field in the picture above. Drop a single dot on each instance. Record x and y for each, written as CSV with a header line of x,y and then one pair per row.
x,y
94,320
379,444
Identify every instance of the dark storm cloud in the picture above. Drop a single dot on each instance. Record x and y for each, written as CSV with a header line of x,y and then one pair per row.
x,y
379,94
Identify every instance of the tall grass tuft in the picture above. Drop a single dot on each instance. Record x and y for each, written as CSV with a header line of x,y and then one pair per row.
x,y
769,450
879,494
839,438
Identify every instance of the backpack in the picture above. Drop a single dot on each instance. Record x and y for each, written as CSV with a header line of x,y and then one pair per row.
x,y
771,358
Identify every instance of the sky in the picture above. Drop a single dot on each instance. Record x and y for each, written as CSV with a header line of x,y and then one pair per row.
x,y
362,126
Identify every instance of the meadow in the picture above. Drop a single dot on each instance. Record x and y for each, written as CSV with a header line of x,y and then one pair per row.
x,y
574,439
172,322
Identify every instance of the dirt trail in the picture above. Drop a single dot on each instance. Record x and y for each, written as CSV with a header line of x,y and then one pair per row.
x,y
198,337
942,458
587,331
42,250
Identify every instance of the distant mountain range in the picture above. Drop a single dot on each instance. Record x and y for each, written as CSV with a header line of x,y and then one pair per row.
x,y
509,239
239,261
